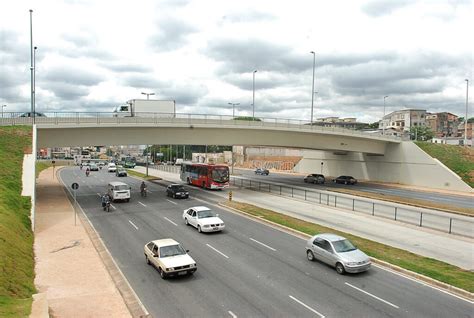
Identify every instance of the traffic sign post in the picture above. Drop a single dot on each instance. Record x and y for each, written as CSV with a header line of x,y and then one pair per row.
x,y
74,187
53,162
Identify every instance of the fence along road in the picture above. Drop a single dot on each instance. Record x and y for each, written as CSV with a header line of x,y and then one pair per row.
x,y
433,219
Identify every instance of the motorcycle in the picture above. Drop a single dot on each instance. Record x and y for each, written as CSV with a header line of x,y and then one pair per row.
x,y
143,192
106,206
87,173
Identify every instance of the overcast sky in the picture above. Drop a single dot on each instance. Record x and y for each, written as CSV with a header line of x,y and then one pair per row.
x,y
95,55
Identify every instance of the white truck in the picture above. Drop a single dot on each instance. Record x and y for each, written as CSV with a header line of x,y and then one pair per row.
x,y
146,108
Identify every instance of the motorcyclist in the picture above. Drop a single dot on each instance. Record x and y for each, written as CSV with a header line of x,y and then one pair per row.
x,y
105,199
87,171
143,188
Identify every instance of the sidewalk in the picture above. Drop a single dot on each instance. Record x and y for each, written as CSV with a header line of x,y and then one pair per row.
x,y
448,248
68,267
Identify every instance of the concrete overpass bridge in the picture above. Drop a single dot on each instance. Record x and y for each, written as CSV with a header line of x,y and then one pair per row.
x,y
343,151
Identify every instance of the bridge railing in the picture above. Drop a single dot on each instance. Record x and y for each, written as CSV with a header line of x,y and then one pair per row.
x,y
104,118
421,217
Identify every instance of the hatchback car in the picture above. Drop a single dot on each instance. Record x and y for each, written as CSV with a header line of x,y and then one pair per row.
x,y
32,114
338,252
345,180
111,167
93,167
314,178
120,172
203,219
177,191
263,172
169,257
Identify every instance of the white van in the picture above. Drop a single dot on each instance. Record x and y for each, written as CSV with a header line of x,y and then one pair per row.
x,y
118,191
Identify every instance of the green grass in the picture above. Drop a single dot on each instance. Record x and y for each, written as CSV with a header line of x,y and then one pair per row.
x,y
429,267
141,175
458,159
16,237
42,165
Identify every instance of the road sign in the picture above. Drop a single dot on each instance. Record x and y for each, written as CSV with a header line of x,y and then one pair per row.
x,y
75,186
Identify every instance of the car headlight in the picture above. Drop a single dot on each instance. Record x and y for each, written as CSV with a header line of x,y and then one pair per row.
x,y
169,269
222,224
352,263
193,265
207,225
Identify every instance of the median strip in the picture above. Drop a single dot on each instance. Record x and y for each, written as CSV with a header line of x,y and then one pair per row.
x,y
455,279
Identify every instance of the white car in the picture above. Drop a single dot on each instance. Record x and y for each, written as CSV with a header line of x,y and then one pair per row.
x,y
169,257
203,219
111,167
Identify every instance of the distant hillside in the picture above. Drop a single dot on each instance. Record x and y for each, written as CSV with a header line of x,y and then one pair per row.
x,y
16,237
458,159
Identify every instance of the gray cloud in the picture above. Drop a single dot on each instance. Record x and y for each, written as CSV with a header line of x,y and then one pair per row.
x,y
72,75
249,15
376,8
67,91
142,81
185,95
171,35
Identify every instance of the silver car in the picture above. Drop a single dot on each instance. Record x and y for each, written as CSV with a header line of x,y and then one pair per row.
x,y
338,252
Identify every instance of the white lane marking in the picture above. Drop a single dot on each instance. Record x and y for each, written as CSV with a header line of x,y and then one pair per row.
x,y
270,248
371,295
170,221
171,202
421,282
148,191
306,306
136,227
232,314
83,181
99,194
217,251
142,204
112,206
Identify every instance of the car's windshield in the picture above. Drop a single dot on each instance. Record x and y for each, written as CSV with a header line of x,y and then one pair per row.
x,y
220,174
205,214
121,187
171,250
180,188
343,246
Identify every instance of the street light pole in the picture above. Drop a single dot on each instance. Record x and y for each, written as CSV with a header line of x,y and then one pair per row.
x,y
233,108
34,80
312,90
2,109
148,95
253,99
31,62
465,119
383,118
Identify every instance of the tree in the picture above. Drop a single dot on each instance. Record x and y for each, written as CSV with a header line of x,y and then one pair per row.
x,y
421,133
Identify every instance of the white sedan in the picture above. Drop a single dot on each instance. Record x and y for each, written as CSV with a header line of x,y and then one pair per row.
x,y
203,219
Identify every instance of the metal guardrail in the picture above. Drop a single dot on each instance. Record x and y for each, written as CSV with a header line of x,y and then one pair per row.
x,y
397,212
104,118
165,168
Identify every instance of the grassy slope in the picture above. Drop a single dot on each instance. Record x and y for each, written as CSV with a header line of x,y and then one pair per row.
x,y
435,269
16,236
458,159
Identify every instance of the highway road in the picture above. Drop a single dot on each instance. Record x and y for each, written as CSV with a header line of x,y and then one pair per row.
x,y
249,270
297,180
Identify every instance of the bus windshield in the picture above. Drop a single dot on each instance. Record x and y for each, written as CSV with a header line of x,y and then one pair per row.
x,y
220,174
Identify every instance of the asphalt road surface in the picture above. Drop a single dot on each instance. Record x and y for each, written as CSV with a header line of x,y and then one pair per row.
x,y
248,270
297,180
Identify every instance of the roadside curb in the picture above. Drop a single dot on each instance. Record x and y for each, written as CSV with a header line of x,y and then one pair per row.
x,y
390,267
130,298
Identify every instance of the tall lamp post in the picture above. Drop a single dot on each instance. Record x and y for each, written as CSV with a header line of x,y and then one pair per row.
x,y
233,108
465,119
253,99
312,90
31,63
34,80
383,118
3,106
148,95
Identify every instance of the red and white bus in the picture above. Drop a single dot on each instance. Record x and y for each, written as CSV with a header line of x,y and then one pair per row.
x,y
210,176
